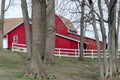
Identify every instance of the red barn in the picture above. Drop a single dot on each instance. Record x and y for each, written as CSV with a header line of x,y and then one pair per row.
x,y
66,34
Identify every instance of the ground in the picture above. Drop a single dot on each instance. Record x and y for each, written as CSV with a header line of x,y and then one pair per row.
x,y
14,65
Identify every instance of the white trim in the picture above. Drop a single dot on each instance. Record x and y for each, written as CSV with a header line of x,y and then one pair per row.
x,y
13,28
69,38
7,40
65,24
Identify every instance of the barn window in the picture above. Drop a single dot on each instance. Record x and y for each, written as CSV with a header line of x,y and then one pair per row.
x,y
72,31
15,39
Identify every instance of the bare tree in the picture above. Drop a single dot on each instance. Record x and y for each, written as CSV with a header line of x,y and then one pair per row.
x,y
112,36
1,23
43,33
82,30
27,27
118,27
50,37
103,37
38,7
8,6
101,69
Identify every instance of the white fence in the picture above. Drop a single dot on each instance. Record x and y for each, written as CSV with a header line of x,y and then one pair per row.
x,y
60,51
66,52
19,47
90,53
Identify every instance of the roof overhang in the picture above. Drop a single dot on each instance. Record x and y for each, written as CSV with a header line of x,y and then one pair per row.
x,y
12,28
66,37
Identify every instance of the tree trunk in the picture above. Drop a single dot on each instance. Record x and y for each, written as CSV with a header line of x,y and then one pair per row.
x,y
112,37
37,37
118,27
44,30
1,23
27,28
97,40
50,37
82,30
103,38
43,33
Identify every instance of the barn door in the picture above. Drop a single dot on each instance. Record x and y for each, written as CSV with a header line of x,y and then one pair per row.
x,y
84,46
5,43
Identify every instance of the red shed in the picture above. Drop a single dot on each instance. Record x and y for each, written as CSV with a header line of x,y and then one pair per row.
x,y
66,34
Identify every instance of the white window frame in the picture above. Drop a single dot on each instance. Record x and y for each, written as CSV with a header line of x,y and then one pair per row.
x,y
15,38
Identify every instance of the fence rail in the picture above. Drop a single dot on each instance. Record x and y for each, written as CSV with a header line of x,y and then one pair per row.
x,y
19,47
89,53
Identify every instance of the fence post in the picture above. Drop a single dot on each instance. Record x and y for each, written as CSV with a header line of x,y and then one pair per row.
x,y
12,47
78,52
75,54
84,52
92,54
59,53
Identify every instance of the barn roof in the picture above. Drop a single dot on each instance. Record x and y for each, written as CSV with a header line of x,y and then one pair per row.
x,y
11,23
68,23
77,37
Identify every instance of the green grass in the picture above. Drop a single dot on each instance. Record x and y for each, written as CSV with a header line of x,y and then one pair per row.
x,y
13,66
70,68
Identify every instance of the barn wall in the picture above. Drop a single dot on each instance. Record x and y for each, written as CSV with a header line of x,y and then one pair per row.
x,y
60,27
65,43
92,44
74,36
20,32
5,36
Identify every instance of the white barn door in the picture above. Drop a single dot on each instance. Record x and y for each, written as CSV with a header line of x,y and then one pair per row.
x,y
5,43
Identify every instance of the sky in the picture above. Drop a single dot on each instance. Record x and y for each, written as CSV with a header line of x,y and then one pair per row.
x,y
14,9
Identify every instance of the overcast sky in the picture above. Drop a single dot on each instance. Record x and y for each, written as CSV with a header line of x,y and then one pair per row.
x,y
14,9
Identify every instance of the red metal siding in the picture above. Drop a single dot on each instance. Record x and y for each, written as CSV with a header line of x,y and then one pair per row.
x,y
60,27
74,45
65,43
90,43
5,36
20,32
74,36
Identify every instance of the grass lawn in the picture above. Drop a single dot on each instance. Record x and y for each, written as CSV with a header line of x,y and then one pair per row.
x,y
14,65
